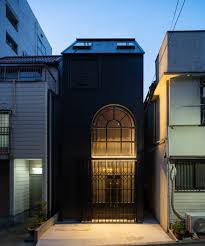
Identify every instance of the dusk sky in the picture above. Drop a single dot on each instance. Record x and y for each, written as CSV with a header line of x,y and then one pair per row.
x,y
146,20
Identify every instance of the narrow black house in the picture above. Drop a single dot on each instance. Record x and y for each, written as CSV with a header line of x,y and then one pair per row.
x,y
102,131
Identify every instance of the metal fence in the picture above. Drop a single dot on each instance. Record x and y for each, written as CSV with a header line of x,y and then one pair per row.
x,y
111,191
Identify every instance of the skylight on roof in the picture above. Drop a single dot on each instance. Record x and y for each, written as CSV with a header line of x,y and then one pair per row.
x,y
82,45
126,45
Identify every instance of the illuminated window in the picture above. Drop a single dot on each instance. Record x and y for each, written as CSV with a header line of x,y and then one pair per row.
x,y
113,133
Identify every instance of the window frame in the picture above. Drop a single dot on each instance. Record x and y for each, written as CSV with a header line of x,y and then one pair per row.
x,y
107,140
11,43
183,173
11,17
5,131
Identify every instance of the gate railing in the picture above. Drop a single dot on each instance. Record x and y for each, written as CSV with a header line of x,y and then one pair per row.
x,y
109,190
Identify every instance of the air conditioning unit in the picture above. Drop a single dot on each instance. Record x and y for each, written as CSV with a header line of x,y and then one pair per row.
x,y
195,222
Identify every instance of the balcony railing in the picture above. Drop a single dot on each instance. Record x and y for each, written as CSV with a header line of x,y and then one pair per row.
x,y
4,141
25,73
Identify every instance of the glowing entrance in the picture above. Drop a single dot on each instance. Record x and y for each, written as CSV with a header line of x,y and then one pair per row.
x,y
113,165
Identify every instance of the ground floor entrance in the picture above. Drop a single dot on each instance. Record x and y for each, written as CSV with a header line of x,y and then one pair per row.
x,y
112,191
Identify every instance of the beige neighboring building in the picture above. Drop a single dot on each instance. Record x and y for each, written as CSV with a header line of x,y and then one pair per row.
x,y
175,128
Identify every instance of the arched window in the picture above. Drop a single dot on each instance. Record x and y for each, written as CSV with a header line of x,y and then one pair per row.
x,y
113,133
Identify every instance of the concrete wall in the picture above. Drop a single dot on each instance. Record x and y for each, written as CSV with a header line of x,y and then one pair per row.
x,y
186,51
161,63
188,202
156,163
181,51
28,32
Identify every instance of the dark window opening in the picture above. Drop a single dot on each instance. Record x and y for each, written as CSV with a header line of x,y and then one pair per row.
x,y
203,103
190,175
41,47
11,43
11,17
4,132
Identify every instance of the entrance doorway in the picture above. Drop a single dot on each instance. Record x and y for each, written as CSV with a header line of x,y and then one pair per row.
x,y
113,165
113,189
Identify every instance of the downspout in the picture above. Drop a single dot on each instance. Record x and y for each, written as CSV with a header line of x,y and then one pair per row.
x,y
172,178
173,170
14,96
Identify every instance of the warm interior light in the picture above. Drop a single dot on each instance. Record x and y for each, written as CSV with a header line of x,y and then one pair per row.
x,y
37,170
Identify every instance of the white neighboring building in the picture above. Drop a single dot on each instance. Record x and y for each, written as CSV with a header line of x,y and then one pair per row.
x,y
175,128
20,32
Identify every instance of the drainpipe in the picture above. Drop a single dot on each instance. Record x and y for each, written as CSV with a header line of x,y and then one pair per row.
x,y
14,96
172,178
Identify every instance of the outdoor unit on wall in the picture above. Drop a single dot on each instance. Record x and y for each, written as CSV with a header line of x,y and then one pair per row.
x,y
195,222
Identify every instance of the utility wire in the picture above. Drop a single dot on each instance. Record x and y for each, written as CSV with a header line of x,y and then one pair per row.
x,y
174,14
172,30
179,14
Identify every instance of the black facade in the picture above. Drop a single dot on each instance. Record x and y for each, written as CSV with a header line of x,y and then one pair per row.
x,y
101,74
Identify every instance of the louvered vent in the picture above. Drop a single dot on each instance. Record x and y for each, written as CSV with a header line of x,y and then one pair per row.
x,y
84,73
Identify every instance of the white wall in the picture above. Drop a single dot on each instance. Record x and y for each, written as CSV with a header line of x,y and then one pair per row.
x,y
185,101
189,202
21,186
186,141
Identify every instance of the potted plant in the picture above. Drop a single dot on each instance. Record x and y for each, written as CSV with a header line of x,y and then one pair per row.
x,y
38,216
179,229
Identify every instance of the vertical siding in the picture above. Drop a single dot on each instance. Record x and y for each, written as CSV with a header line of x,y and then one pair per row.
x,y
21,186
29,120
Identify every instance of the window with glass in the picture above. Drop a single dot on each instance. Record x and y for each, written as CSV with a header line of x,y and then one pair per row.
x,y
4,132
190,175
11,17
113,133
10,41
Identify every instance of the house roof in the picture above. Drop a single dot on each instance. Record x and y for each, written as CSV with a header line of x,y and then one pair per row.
x,y
104,46
30,59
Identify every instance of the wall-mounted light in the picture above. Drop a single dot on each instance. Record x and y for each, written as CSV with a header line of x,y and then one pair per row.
x,y
36,170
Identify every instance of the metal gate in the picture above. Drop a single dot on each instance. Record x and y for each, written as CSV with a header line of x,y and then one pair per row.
x,y
111,196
